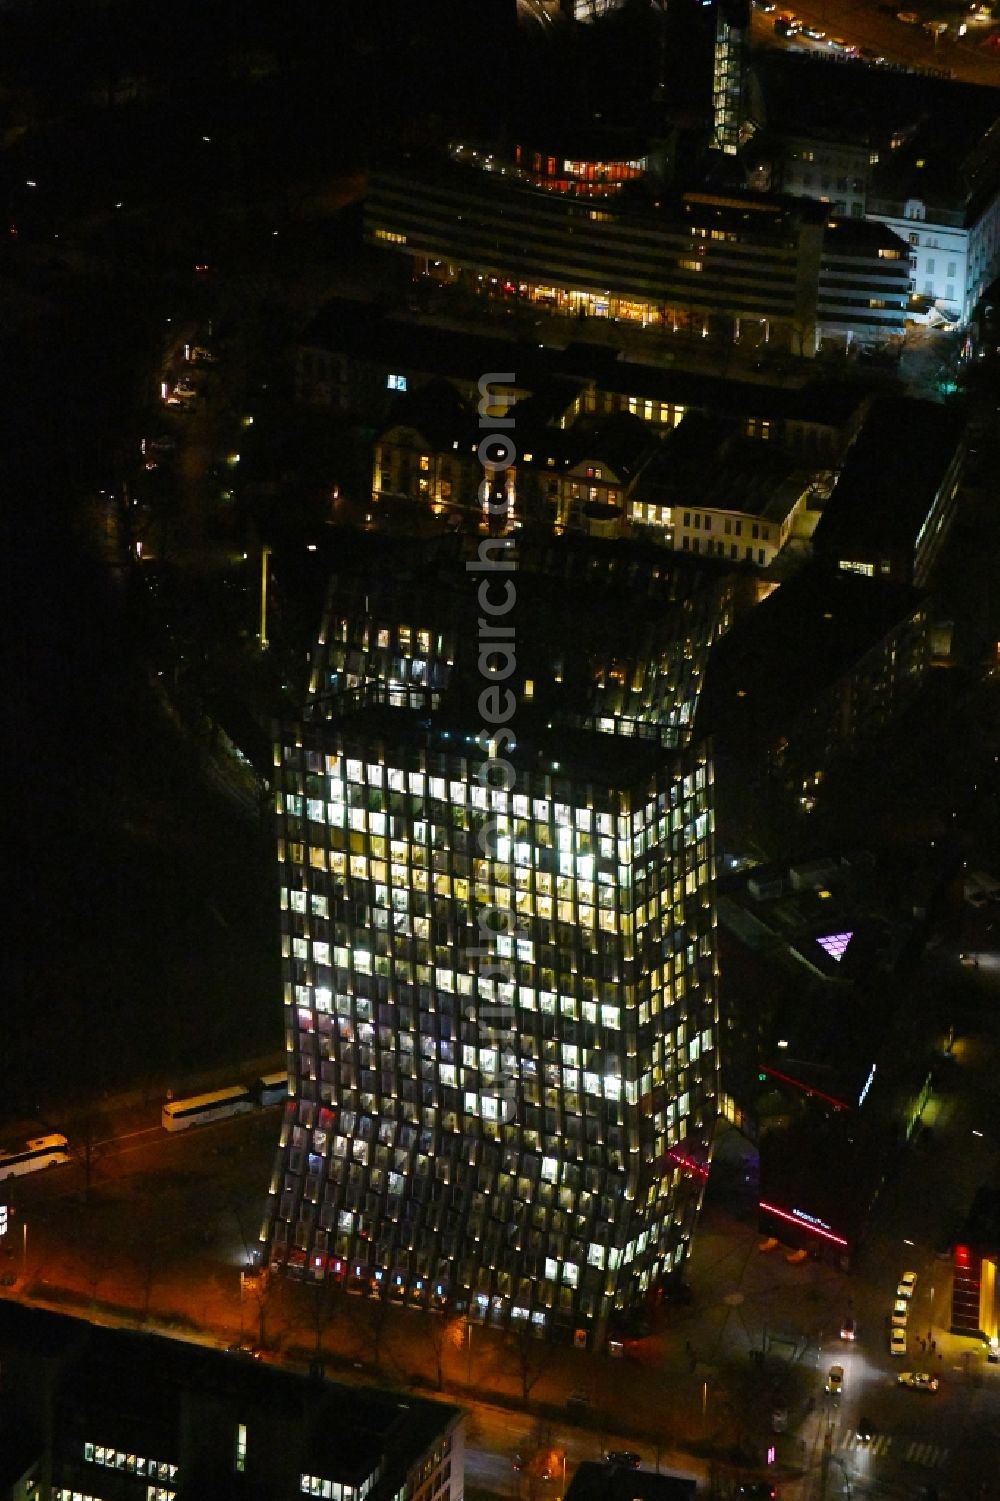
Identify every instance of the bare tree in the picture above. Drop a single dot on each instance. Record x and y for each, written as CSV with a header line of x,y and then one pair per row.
x,y
89,1130
256,1289
377,1314
532,1357
444,1334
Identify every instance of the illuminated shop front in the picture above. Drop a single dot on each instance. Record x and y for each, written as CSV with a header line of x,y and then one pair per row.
x,y
521,1132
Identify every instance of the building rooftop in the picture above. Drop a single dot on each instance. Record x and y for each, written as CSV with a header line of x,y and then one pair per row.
x,y
804,94
889,480
802,639
707,461
548,375
605,1482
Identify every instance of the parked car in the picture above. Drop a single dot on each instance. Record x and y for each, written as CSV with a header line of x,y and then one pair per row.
x,y
917,1381
900,1313
626,1457
897,1342
907,1283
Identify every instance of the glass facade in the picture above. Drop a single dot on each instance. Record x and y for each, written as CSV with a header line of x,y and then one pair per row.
x,y
510,1119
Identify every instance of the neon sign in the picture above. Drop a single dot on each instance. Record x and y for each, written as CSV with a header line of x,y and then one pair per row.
x,y
868,1084
835,944
806,1088
803,1221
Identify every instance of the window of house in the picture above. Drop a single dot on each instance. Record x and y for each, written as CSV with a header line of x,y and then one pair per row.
x,y
930,266
687,518
951,268
395,382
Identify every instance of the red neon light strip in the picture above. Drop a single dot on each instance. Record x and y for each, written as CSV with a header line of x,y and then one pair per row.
x,y
805,1088
696,1167
793,1219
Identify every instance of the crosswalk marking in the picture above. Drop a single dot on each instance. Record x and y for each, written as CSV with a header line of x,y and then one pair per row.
x,y
931,1455
878,1445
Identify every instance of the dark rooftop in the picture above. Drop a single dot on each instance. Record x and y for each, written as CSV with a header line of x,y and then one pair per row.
x,y
605,1482
783,653
803,93
359,330
890,478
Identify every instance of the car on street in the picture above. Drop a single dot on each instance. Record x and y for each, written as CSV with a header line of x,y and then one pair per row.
x,y
864,1431
907,1283
625,1457
900,1313
757,1490
918,1381
897,1342
835,1380
814,34
247,1349
578,1401
848,1329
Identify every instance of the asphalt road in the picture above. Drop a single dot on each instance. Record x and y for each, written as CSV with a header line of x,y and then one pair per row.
x,y
861,23
171,1218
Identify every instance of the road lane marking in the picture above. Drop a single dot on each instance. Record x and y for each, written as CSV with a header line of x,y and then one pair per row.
x,y
110,1141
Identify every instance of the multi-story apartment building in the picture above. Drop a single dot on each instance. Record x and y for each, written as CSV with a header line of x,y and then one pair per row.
x,y
517,1128
945,204
913,155
602,240
835,169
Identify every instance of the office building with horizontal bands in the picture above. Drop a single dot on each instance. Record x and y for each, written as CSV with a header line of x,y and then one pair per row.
x,y
515,1126
114,1415
602,240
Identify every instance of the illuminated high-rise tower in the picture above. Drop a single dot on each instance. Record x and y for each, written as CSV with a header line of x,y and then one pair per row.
x,y
508,1116
729,74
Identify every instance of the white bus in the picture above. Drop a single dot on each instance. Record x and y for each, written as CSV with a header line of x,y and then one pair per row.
x,y
271,1089
41,1151
200,1108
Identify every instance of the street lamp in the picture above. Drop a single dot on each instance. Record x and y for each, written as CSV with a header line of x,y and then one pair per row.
x,y
847,1476
265,556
